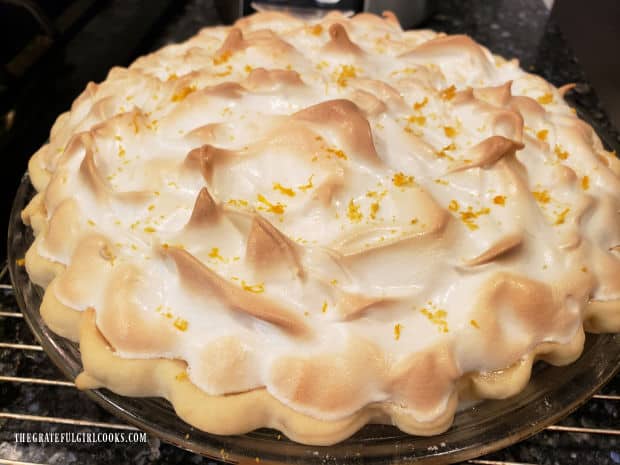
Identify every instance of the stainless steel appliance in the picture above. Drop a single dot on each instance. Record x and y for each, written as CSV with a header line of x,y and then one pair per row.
x,y
410,12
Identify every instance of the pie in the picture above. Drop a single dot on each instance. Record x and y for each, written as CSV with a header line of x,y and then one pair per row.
x,y
311,226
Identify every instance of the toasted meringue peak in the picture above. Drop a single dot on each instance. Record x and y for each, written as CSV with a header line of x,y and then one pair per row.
x,y
504,245
323,223
348,120
205,157
233,43
340,43
272,80
205,209
390,17
226,90
488,152
93,179
267,247
498,96
201,279
237,41
91,176
450,48
351,305
563,90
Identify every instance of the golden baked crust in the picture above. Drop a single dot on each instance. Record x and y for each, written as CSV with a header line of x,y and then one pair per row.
x,y
315,226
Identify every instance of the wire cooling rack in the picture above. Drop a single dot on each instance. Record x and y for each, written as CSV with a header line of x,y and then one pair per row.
x,y
572,437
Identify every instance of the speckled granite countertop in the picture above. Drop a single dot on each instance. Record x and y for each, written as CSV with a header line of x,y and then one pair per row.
x,y
512,28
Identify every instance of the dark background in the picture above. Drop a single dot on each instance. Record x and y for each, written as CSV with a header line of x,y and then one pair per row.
x,y
592,28
575,42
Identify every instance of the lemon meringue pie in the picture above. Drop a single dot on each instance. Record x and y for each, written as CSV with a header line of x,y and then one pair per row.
x,y
312,226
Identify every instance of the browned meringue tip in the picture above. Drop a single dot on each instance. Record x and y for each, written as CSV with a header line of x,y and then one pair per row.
x,y
205,157
463,97
225,90
206,134
488,152
349,246
368,103
334,15
340,43
326,191
262,17
497,249
444,45
349,120
390,17
509,124
233,43
268,248
352,305
272,79
205,210
93,179
382,91
563,90
264,39
374,20
498,96
202,280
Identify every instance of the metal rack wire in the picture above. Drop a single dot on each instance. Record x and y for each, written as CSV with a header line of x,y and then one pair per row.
x,y
85,422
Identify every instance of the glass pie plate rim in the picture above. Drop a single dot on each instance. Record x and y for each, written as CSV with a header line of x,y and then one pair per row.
x,y
551,394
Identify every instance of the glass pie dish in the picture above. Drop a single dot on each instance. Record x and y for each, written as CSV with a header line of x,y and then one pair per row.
x,y
552,393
